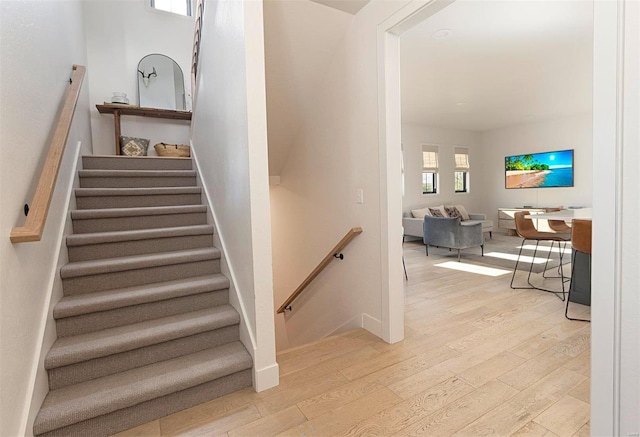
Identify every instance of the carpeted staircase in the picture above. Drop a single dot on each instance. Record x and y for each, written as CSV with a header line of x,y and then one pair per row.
x,y
144,328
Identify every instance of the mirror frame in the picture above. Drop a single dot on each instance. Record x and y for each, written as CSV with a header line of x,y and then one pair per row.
x,y
141,75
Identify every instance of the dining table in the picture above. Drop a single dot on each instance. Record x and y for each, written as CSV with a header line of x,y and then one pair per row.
x,y
580,262
565,214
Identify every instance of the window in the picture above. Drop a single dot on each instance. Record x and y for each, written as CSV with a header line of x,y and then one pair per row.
x,y
180,7
461,174
429,169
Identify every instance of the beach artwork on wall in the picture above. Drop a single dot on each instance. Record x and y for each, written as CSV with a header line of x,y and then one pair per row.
x,y
539,170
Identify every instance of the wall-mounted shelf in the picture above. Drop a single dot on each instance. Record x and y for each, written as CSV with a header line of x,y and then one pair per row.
x,y
118,110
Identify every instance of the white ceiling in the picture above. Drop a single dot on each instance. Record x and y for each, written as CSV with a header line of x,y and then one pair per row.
x,y
505,63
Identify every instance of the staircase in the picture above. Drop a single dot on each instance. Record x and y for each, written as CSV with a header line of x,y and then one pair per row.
x,y
144,328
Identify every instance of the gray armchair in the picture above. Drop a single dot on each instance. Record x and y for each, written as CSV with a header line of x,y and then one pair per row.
x,y
448,232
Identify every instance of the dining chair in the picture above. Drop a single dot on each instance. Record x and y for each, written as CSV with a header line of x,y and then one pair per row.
x,y
559,227
581,242
527,231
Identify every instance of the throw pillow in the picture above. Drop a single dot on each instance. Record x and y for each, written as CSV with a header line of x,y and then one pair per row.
x,y
463,212
130,146
438,211
452,211
420,213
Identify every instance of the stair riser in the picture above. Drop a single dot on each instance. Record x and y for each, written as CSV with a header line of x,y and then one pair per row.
x,y
109,365
136,182
120,279
139,313
141,222
98,202
121,163
138,247
147,411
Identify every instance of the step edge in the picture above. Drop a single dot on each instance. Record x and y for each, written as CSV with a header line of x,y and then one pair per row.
x,y
74,349
136,262
144,191
79,240
80,304
138,173
101,213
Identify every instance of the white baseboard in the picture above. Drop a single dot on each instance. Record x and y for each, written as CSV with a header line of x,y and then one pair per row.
x,y
372,325
266,378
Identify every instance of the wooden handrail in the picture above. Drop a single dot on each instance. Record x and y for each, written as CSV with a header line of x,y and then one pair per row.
x,y
353,232
37,216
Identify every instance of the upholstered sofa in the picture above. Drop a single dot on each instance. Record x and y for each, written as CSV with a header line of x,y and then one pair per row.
x,y
413,218
449,232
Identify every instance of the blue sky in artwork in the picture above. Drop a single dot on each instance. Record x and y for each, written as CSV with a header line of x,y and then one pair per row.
x,y
559,159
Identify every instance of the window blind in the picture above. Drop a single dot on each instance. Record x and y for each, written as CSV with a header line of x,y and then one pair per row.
x,y
429,158
462,159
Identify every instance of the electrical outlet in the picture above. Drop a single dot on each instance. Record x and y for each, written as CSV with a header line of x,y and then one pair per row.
x,y
359,196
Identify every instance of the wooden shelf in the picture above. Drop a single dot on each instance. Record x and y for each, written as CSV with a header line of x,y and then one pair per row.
x,y
111,108
117,110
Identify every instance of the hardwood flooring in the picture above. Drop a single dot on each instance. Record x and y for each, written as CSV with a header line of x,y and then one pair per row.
x,y
478,359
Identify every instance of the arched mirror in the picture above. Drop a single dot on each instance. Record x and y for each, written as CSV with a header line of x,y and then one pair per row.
x,y
160,83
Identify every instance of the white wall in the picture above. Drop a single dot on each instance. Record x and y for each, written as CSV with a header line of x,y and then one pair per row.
x,y
230,144
615,302
565,133
334,155
39,43
119,34
413,138
300,38
630,308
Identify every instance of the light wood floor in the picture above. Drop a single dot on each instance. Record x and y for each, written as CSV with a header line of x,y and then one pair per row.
x,y
478,359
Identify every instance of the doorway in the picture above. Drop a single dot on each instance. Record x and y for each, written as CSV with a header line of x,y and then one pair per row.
x,y
606,134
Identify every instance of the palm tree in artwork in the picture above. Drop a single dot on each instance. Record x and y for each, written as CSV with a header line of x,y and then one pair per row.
x,y
528,160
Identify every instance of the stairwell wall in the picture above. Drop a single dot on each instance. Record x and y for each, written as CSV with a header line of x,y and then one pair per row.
x,y
40,41
335,154
229,140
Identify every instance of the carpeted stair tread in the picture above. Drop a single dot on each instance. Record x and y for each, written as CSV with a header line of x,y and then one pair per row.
x,y
75,305
85,214
101,396
99,173
110,265
84,347
147,191
135,163
135,235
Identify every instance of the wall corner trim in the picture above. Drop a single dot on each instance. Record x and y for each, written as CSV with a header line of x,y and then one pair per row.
x,y
266,377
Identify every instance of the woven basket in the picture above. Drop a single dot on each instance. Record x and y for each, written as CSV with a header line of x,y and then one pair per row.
x,y
173,150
